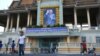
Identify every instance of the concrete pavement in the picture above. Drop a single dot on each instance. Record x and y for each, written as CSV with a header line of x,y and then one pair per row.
x,y
46,55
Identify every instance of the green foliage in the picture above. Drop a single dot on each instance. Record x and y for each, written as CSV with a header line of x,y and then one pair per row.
x,y
62,25
29,26
58,25
48,26
41,26
38,26
33,26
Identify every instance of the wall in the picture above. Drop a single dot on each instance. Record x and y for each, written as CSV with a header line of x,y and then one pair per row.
x,y
75,39
6,36
26,2
90,35
49,4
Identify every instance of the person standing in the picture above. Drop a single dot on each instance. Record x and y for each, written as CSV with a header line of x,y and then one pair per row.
x,y
6,45
84,48
13,46
1,45
21,43
9,45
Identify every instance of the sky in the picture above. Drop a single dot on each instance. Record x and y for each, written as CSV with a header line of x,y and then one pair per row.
x,y
1,29
4,4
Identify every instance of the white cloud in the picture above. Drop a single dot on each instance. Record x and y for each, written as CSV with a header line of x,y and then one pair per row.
x,y
4,4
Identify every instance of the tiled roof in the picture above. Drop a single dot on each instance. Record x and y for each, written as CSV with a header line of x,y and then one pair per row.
x,y
14,4
3,11
22,4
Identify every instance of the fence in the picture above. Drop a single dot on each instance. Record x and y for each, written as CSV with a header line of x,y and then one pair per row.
x,y
62,46
80,2
77,45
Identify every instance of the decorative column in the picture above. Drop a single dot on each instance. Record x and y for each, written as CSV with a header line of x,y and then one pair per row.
x,y
68,39
7,25
38,12
75,17
28,18
88,18
68,42
61,12
18,17
11,24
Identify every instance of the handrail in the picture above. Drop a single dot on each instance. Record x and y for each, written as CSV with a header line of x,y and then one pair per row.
x,y
63,45
72,29
39,49
80,2
77,45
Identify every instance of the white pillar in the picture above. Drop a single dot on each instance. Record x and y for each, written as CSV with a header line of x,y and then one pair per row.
x,y
88,17
61,12
38,12
68,39
11,24
18,17
75,17
7,25
28,19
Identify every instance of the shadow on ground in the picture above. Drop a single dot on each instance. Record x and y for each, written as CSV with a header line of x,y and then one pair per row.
x,y
47,55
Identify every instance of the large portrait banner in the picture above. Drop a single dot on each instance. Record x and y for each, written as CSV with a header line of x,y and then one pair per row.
x,y
49,17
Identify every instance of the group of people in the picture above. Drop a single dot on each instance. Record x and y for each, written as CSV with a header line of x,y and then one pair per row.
x,y
10,46
84,49
21,45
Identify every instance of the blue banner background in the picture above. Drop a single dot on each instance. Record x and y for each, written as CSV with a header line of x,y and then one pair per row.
x,y
55,29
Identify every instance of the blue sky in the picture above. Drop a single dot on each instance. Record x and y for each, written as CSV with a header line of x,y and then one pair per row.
x,y
4,4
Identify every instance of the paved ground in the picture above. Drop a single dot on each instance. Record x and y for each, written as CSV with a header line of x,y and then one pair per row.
x,y
46,55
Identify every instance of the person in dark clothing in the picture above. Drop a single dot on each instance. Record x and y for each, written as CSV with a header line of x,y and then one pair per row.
x,y
84,48
13,46
1,45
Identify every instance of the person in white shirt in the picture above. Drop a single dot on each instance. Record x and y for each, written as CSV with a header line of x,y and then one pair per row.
x,y
21,42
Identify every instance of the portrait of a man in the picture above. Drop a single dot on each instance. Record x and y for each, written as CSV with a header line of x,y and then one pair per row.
x,y
49,17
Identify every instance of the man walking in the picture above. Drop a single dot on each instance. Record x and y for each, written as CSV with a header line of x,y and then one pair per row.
x,y
21,42
84,48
